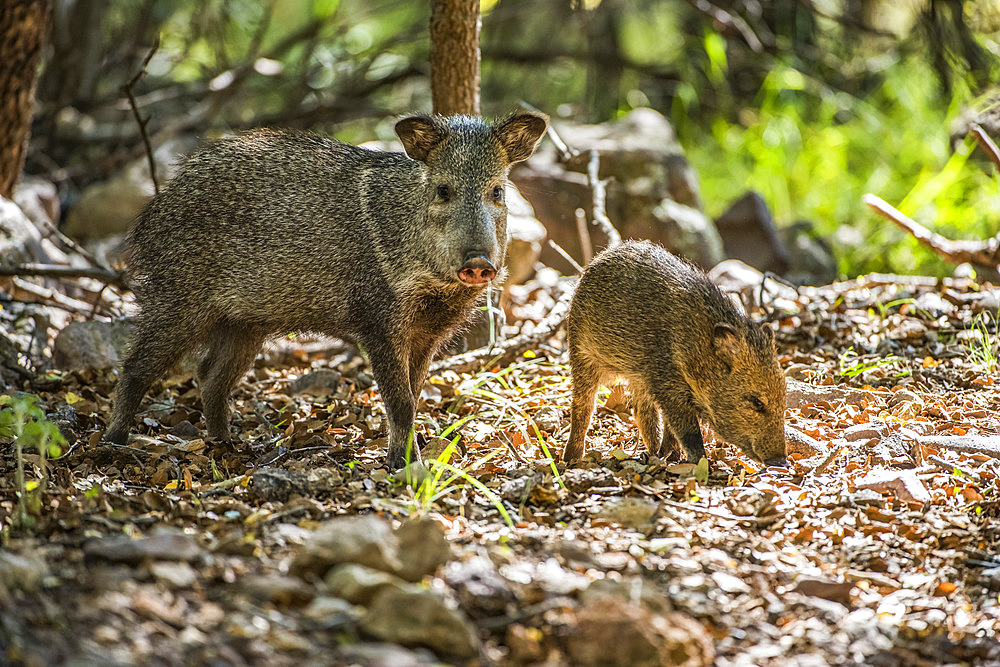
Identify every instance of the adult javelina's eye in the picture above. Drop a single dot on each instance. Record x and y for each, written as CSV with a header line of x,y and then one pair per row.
x,y
498,194
443,192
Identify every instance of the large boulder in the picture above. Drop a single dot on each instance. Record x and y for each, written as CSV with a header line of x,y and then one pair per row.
x,y
20,240
653,192
98,345
750,235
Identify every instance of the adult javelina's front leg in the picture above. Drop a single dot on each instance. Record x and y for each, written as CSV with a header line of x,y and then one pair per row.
x,y
389,366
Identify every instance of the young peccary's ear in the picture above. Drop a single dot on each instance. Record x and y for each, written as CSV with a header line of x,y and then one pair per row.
x,y
725,340
419,134
519,134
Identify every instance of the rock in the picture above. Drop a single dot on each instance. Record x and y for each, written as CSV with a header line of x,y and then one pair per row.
x,y
38,199
873,429
836,591
749,234
641,155
326,612
481,591
611,631
358,584
383,655
798,394
810,256
549,418
630,512
321,381
278,485
174,574
797,442
21,573
163,544
85,345
109,207
414,616
904,484
581,479
366,540
525,238
276,589
20,240
423,547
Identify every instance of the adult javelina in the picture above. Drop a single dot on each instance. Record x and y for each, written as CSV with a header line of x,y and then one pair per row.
x,y
685,349
272,231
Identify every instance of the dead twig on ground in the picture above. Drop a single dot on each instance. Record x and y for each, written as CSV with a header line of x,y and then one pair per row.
x,y
142,122
599,194
106,276
565,255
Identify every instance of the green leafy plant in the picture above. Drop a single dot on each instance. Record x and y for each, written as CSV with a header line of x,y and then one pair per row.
x,y
851,365
24,421
982,347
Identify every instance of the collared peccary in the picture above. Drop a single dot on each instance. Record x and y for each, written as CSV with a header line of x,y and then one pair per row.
x,y
686,350
270,232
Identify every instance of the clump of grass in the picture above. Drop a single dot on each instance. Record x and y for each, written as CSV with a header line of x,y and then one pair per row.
x,y
983,345
24,421
850,365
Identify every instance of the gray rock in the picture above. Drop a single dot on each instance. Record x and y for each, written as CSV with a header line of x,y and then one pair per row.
x,y
163,544
276,588
174,574
687,231
278,484
367,540
21,573
525,238
811,258
86,345
383,655
358,584
321,381
423,547
39,200
414,616
749,234
20,240
480,589
326,612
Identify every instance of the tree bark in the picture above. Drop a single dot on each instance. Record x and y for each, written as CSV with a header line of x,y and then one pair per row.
x,y
23,26
455,56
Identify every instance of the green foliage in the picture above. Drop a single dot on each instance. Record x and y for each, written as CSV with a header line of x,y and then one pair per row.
x,y
812,152
852,366
983,347
24,421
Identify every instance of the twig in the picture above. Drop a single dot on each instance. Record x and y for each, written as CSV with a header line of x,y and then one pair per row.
x,y
565,255
771,518
586,244
983,253
732,21
599,194
988,445
116,278
142,122
834,454
986,143
951,467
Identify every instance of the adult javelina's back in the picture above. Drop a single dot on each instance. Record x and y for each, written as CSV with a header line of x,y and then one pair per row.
x,y
276,231
686,350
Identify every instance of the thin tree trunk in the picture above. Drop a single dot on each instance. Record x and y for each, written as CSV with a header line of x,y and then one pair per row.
x,y
23,25
455,56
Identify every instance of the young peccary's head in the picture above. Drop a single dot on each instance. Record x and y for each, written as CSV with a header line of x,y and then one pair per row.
x,y
745,392
464,186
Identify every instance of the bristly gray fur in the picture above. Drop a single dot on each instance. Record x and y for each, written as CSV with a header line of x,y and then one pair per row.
x,y
274,231
642,314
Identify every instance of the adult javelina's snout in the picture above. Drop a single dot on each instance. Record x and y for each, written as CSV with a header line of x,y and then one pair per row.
x,y
275,231
686,350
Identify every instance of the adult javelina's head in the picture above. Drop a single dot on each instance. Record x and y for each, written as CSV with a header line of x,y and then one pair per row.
x,y
465,164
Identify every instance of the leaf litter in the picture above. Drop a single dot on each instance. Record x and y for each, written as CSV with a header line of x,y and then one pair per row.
x,y
880,544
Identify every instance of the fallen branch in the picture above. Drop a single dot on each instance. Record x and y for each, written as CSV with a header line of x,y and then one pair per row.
x,y
586,245
565,255
116,278
986,143
142,122
982,253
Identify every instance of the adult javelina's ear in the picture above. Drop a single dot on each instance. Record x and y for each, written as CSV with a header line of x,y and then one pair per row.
x,y
520,133
420,134
725,342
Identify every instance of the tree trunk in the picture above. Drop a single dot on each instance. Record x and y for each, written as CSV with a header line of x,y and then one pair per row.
x,y
455,56
23,25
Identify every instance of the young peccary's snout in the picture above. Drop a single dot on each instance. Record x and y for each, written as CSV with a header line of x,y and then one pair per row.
x,y
642,314
274,231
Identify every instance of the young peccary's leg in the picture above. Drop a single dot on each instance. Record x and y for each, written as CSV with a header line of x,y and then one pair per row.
x,y
683,421
586,378
392,374
156,346
230,354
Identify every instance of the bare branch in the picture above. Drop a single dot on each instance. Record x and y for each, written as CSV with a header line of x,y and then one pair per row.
x,y
986,143
565,255
142,122
118,279
586,244
599,193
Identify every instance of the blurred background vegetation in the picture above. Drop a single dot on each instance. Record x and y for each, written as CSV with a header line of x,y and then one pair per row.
x,y
810,102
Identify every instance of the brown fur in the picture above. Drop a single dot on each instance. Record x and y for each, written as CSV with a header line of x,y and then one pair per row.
x,y
687,352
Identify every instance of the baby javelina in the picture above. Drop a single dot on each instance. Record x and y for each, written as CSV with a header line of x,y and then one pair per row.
x,y
687,351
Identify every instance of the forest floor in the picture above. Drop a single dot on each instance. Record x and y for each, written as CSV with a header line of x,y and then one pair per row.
x,y
300,547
